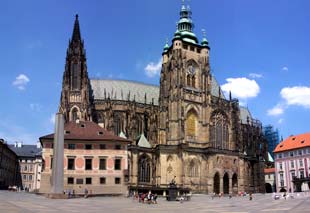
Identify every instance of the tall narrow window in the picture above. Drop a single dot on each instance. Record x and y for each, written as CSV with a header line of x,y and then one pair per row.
x,y
191,125
193,81
70,163
219,131
102,164
144,169
117,164
75,114
117,124
193,169
75,77
88,164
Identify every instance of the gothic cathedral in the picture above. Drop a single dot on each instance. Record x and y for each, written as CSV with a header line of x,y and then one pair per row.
x,y
185,129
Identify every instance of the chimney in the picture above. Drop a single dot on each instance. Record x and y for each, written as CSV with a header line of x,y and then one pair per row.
x,y
19,144
38,145
15,144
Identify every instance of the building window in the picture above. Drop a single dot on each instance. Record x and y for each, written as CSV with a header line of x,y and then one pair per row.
x,y
281,180
88,180
30,177
70,180
117,180
71,164
193,169
88,164
71,146
291,154
293,175
219,131
25,168
102,164
79,181
88,146
280,166
302,174
301,163
102,146
102,180
117,146
191,125
292,164
30,168
299,152
280,155
25,177
144,169
117,164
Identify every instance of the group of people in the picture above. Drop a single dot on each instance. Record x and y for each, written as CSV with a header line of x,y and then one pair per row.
x,y
241,194
147,198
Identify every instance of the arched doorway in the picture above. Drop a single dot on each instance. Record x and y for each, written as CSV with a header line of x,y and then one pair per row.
x,y
268,188
216,183
235,184
226,184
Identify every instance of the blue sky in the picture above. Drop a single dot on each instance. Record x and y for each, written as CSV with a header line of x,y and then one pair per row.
x,y
259,50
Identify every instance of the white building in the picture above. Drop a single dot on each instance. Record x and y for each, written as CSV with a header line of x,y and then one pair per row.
x,y
292,163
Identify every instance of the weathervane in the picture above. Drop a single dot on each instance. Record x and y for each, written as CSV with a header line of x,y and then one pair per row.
x,y
204,34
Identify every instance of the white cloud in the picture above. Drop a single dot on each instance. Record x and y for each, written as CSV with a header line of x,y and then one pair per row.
x,y
298,95
153,69
276,110
21,81
35,107
255,75
280,121
285,68
242,88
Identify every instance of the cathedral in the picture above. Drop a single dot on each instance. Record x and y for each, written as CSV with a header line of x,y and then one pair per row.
x,y
183,130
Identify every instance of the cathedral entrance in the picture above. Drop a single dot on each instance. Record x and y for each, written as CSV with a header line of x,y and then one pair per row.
x,y
216,183
226,184
235,184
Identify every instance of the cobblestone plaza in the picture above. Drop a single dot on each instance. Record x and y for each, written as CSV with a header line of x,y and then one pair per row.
x,y
25,202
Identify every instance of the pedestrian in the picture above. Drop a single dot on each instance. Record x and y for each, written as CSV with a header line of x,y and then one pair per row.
x,y
85,193
250,196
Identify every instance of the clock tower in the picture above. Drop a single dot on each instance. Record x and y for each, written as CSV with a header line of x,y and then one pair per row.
x,y
185,85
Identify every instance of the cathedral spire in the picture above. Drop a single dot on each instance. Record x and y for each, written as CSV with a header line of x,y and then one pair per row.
x,y
76,34
185,25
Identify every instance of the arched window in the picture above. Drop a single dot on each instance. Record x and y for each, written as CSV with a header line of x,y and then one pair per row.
x,y
74,114
117,124
191,125
188,80
193,81
219,131
144,169
75,77
193,169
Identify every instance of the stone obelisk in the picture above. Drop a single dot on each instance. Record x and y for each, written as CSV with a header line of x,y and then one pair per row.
x,y
57,181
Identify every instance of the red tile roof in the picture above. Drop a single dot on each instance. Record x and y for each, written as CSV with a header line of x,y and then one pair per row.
x,y
87,130
294,142
269,170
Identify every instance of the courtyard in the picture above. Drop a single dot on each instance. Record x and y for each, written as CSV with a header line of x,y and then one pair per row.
x,y
27,202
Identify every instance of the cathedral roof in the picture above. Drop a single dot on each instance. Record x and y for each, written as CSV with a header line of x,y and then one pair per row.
x,y
124,90
245,115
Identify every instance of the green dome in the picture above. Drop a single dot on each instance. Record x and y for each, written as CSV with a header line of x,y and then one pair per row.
x,y
204,42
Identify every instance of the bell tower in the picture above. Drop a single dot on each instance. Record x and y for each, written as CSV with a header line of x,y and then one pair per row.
x,y
185,85
75,102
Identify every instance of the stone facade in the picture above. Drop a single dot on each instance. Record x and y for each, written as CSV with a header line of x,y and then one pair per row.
x,y
207,143
8,166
